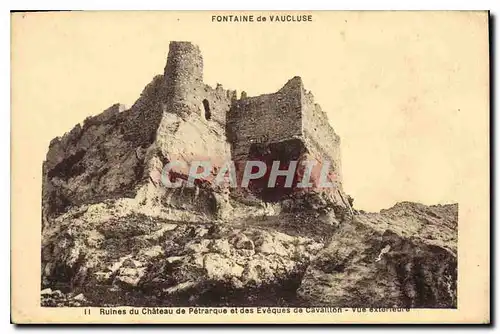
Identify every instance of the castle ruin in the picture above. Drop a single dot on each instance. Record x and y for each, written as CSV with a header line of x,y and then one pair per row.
x,y
178,116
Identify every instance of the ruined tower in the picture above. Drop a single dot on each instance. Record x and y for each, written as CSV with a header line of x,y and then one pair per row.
x,y
183,77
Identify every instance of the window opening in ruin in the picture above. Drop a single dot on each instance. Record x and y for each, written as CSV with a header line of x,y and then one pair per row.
x,y
206,106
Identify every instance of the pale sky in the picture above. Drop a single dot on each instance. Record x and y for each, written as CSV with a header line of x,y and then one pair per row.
x,y
406,92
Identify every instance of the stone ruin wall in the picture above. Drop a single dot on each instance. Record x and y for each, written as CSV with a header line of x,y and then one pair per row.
x,y
280,119
265,119
319,136
323,144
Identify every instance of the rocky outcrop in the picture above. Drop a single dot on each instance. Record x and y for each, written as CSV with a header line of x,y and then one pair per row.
x,y
176,262
104,157
401,257
405,256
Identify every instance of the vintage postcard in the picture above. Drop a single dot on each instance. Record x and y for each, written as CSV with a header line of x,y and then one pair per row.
x,y
250,167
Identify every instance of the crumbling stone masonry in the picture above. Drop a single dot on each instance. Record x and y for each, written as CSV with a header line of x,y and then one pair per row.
x,y
179,117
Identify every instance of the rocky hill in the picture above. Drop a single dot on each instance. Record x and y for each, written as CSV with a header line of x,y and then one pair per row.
x,y
116,255
113,234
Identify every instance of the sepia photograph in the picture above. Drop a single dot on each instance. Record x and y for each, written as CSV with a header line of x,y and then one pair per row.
x,y
251,164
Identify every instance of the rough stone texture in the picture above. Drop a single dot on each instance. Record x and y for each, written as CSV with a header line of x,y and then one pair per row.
x,y
57,298
250,118
114,235
322,141
405,256
104,157
180,118
401,257
114,245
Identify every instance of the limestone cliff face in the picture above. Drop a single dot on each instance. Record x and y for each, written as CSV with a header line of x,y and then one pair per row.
x,y
114,233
